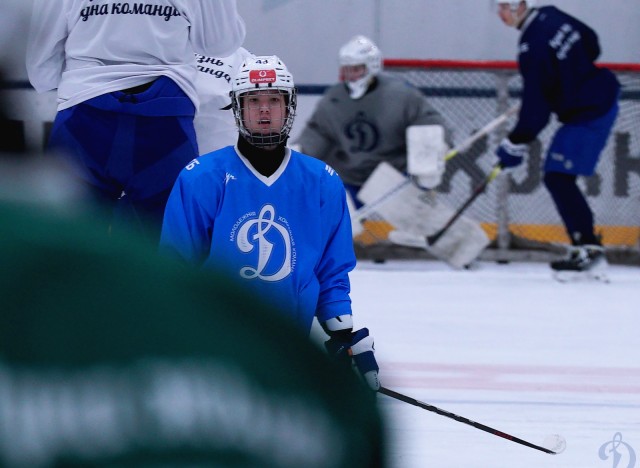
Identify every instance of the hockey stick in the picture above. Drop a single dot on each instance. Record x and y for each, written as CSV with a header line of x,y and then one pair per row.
x,y
556,442
433,238
495,123
424,164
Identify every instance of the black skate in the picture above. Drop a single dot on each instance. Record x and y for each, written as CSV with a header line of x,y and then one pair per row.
x,y
583,262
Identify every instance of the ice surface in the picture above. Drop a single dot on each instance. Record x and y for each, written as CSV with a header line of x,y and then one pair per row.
x,y
508,347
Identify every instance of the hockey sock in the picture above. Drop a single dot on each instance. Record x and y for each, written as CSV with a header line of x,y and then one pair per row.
x,y
572,207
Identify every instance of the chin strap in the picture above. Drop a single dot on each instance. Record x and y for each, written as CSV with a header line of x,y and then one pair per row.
x,y
358,88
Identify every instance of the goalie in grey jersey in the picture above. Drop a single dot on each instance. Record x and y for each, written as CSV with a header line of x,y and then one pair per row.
x,y
375,128
363,120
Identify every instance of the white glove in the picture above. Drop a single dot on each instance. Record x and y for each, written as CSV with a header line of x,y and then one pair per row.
x,y
362,352
352,348
511,154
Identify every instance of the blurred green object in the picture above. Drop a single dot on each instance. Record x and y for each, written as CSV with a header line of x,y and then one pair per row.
x,y
111,355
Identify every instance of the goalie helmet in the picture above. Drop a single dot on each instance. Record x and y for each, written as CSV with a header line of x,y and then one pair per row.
x,y
265,72
360,50
517,13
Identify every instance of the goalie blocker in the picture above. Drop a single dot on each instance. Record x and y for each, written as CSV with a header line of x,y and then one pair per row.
x,y
426,153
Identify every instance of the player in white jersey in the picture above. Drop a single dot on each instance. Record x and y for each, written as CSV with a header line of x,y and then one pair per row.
x,y
214,122
125,78
275,218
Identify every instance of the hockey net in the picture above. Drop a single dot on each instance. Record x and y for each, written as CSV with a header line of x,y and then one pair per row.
x,y
516,211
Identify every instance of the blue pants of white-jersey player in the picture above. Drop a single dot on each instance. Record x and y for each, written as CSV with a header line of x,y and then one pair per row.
x,y
129,147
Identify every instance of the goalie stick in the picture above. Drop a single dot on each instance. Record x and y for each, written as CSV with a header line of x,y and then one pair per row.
x,y
554,444
495,171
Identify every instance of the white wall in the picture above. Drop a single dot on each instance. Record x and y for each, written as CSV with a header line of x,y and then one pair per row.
x,y
307,34
14,24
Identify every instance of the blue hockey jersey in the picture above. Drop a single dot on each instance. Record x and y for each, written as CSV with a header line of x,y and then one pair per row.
x,y
556,60
288,236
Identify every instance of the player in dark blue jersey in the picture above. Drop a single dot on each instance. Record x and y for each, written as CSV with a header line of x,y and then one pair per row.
x,y
273,217
556,60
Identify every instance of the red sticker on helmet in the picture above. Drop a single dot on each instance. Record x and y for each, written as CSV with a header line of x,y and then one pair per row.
x,y
262,76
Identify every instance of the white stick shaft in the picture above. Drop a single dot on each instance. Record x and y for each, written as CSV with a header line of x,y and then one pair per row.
x,y
488,128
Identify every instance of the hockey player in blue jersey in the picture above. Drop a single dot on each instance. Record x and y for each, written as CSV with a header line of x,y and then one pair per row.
x,y
556,60
275,218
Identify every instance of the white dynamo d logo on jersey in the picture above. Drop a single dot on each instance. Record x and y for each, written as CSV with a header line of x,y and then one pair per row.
x,y
265,222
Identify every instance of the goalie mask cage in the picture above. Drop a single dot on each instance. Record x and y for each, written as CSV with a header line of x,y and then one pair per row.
x,y
516,211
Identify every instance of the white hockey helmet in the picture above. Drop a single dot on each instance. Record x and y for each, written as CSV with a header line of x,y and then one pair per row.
x,y
265,72
360,50
515,3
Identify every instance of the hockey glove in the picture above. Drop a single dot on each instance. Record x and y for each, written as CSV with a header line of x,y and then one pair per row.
x,y
511,154
356,347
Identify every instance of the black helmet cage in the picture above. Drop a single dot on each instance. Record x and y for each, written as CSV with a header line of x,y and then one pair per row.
x,y
266,139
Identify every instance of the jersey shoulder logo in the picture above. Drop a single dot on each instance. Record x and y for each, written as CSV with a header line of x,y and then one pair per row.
x,y
228,176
